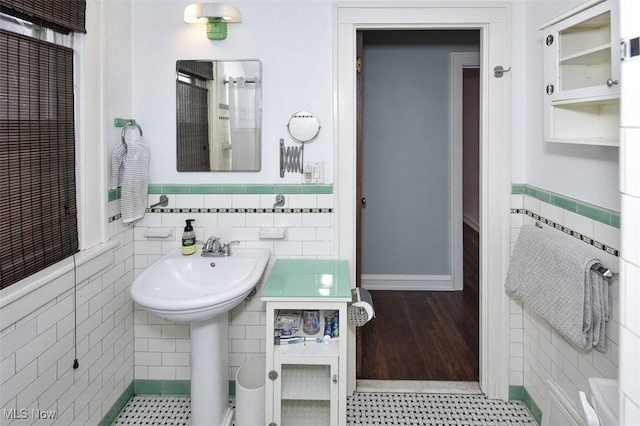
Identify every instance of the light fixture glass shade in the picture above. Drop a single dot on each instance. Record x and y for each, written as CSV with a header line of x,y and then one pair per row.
x,y
216,29
201,12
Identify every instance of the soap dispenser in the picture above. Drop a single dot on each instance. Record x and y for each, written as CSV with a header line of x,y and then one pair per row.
x,y
188,239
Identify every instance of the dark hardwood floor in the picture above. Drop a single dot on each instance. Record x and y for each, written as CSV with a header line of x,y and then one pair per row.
x,y
425,335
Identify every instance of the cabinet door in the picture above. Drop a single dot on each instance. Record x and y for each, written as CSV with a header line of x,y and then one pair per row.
x,y
582,71
581,55
305,391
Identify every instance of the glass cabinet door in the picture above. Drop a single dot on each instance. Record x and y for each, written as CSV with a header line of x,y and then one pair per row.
x,y
583,53
306,393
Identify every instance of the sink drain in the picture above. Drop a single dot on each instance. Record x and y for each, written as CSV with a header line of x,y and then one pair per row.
x,y
212,264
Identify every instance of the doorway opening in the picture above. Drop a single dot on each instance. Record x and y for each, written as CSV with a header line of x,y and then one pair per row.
x,y
493,22
411,240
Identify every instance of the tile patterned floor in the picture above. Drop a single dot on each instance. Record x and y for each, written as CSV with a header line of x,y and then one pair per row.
x,y
363,408
156,410
434,409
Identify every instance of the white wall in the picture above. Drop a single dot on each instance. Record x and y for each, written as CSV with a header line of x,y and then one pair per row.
x,y
630,191
406,145
293,42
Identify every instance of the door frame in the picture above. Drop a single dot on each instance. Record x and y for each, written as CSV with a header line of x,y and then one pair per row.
x,y
493,21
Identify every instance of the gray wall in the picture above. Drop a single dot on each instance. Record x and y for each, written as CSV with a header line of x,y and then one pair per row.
x,y
405,153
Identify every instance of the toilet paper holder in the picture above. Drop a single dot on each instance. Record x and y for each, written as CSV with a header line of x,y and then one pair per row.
x,y
360,311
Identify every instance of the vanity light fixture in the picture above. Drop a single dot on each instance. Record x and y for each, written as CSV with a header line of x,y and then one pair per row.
x,y
215,15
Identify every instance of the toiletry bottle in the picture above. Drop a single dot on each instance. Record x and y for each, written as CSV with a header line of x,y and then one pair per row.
x,y
188,239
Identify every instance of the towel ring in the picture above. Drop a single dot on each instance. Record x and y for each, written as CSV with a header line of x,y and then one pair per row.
x,y
124,130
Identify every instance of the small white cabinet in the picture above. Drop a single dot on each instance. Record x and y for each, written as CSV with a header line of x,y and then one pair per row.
x,y
306,381
582,75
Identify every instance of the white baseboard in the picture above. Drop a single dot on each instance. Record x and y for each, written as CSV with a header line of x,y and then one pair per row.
x,y
407,282
418,386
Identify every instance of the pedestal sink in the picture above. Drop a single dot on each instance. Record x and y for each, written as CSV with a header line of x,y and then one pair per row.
x,y
201,290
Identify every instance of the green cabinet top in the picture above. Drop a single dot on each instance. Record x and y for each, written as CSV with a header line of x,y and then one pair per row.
x,y
315,279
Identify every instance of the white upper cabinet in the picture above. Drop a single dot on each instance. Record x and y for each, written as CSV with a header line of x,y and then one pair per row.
x,y
582,75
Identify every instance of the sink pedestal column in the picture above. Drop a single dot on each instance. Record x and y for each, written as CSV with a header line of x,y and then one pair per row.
x,y
210,372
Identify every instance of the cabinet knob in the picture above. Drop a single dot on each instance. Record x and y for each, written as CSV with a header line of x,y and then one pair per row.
x,y
334,379
550,89
549,40
273,375
611,82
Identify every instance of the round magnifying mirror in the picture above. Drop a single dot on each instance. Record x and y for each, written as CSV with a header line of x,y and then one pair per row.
x,y
303,127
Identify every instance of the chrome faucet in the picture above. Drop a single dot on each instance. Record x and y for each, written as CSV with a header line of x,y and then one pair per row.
x,y
211,247
214,248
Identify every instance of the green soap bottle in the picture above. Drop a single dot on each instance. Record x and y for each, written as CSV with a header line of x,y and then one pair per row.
x,y
188,239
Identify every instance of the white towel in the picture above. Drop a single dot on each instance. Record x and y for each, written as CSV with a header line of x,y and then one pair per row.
x,y
135,181
552,274
117,165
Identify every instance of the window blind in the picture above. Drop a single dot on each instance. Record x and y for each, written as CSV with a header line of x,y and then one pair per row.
x,y
193,128
60,15
38,212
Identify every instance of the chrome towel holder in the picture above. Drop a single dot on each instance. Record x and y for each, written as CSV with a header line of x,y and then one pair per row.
x,y
126,126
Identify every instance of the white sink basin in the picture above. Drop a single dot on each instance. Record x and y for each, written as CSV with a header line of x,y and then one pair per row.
x,y
195,288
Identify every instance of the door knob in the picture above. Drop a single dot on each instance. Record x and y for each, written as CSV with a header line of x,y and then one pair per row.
x,y
363,201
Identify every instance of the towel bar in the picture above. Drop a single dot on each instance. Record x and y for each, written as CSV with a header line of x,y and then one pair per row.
x,y
605,272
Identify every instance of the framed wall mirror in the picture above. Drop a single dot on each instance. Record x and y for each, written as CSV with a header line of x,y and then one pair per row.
x,y
218,115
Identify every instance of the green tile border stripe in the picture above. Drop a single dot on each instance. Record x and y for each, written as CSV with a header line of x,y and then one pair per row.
x,y
114,194
519,393
111,415
591,211
240,189
536,412
152,387
162,387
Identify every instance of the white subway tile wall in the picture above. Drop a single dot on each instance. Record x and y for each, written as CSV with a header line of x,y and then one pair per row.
x,y
162,348
37,351
537,352
630,189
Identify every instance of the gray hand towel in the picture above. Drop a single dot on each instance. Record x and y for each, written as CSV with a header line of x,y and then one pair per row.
x,y
552,274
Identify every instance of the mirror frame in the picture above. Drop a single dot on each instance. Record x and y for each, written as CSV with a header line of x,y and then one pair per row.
x,y
303,123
